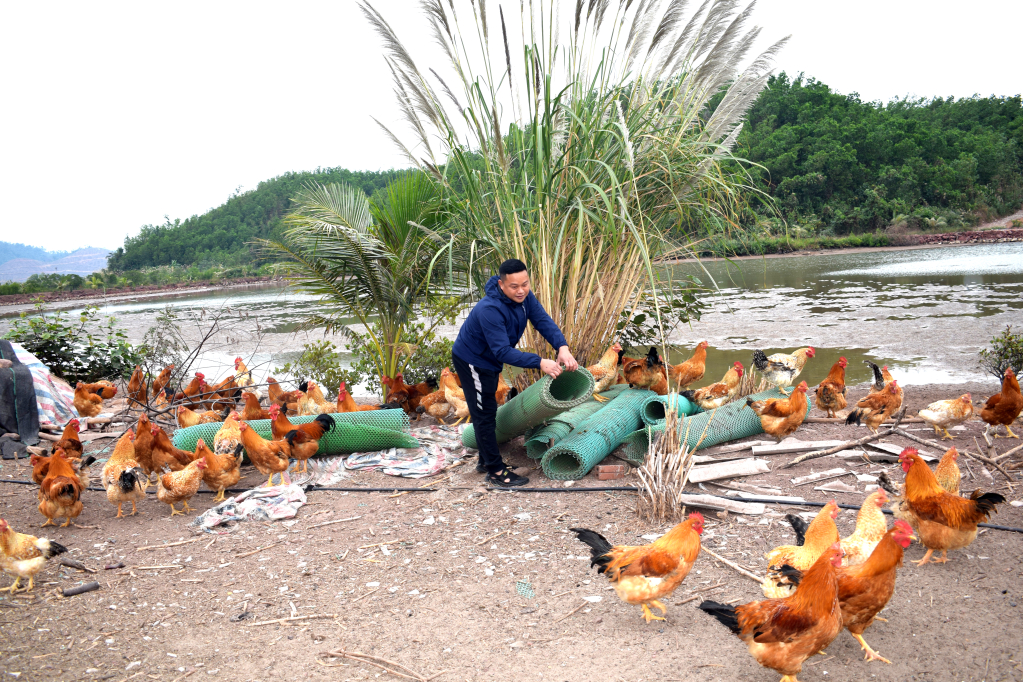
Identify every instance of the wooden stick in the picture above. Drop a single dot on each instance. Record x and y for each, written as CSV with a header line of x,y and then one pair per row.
x,y
71,563
327,523
737,567
371,660
381,544
366,595
170,544
153,568
256,551
1010,453
294,618
841,420
848,444
492,537
939,446
572,612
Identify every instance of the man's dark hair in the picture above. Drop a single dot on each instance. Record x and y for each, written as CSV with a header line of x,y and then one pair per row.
x,y
510,267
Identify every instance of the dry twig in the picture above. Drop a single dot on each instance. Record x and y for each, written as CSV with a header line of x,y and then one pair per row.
x,y
849,444
733,565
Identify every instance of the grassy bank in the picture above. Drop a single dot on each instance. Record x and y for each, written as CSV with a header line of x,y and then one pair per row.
x,y
762,246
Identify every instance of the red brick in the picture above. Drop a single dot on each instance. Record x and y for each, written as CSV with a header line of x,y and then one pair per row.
x,y
613,476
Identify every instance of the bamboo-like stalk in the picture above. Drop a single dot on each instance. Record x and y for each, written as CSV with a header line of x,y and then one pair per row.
x,y
664,475
615,139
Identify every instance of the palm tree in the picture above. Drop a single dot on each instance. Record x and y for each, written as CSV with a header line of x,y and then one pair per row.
x,y
580,156
373,264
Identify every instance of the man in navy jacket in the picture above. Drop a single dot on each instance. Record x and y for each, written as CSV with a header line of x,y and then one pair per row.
x,y
486,342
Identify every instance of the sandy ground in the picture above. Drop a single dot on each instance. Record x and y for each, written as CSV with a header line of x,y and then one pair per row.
x,y
444,599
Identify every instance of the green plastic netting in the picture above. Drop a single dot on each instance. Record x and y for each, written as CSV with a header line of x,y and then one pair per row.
x,y
584,448
706,429
355,432
538,403
654,408
557,428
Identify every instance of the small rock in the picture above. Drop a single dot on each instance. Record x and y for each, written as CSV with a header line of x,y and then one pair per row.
x,y
133,664
429,521
516,644
569,484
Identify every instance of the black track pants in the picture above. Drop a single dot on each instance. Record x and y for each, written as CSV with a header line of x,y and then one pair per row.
x,y
480,386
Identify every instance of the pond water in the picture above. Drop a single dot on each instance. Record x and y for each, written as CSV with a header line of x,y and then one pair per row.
x,y
924,312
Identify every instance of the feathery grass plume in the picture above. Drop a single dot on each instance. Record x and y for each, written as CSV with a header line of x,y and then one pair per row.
x,y
615,140
665,473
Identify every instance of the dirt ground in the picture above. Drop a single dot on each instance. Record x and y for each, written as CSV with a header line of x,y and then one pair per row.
x,y
442,599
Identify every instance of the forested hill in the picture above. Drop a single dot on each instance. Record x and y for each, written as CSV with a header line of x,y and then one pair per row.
x,y
9,251
222,234
838,165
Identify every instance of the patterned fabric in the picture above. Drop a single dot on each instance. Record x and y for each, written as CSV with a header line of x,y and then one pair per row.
x,y
441,447
54,395
258,504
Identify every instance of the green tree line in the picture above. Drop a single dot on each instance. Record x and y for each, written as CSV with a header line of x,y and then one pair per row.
x,y
837,165
224,234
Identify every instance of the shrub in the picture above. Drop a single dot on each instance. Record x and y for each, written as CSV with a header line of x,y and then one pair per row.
x,y
71,350
1006,351
321,362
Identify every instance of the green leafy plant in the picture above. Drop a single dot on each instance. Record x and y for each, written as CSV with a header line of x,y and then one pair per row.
x,y
321,362
423,354
1006,351
86,349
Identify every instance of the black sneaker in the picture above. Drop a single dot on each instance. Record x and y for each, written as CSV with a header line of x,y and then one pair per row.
x,y
480,469
506,478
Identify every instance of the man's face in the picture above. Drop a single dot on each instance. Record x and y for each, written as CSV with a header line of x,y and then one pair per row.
x,y
515,286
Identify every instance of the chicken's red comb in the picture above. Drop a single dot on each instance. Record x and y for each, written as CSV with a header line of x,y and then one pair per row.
x,y
907,452
902,526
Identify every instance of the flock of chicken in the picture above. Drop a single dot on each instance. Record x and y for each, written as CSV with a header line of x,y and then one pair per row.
x,y
821,584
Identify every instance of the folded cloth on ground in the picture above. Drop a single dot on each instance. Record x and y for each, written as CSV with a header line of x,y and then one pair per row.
x,y
323,472
441,446
259,504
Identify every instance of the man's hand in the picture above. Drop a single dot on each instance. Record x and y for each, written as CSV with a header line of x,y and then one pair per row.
x,y
550,368
565,357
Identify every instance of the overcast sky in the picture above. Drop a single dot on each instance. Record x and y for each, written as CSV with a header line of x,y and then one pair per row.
x,y
117,114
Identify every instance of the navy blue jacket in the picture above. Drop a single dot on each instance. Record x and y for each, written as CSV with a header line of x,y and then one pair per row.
x,y
494,327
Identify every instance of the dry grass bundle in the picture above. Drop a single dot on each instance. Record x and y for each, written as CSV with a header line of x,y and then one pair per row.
x,y
666,472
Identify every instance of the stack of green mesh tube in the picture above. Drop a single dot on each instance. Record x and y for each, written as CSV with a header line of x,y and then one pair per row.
x,y
587,445
538,403
355,432
654,408
706,429
557,428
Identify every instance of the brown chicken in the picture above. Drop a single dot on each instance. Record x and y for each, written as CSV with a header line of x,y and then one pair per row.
x,y
830,393
165,455
69,441
605,372
945,413
454,395
395,391
782,634
302,447
346,403
436,405
874,408
187,417
780,417
103,388
425,388
864,589
647,372
947,472
180,486
193,389
23,556
87,402
221,472
60,493
643,575
717,394
225,394
811,541
252,410
228,440
690,371
144,444
1003,408
269,456
870,528
281,426
162,379
942,520
123,478
278,396
138,392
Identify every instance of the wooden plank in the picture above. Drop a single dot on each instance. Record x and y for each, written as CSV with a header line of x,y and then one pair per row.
x,y
836,487
721,504
736,447
893,449
741,467
780,498
820,475
749,488
793,445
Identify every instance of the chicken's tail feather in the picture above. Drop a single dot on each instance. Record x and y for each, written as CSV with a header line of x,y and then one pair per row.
x,y
689,395
760,360
986,502
798,525
854,418
888,484
128,480
599,547
86,462
793,574
724,613
326,422
49,548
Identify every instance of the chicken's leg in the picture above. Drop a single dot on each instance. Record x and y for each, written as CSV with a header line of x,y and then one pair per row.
x,y
947,436
185,506
926,559
120,514
12,588
270,481
599,398
134,510
658,605
220,496
789,678
49,522
871,654
66,523
175,512
648,615
1011,434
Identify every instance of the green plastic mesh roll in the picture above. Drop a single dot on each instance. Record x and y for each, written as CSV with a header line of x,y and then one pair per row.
x,y
654,408
707,429
538,403
585,447
356,432
557,428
